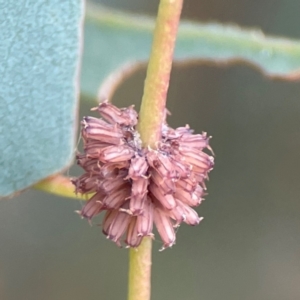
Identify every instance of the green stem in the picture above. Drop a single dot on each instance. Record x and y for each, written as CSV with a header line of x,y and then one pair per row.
x,y
151,119
158,73
140,271
58,185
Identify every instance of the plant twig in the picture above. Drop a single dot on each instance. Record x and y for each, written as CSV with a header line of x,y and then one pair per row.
x,y
140,271
151,118
58,185
158,72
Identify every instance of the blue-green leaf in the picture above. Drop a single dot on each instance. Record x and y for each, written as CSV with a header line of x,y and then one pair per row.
x,y
113,39
39,52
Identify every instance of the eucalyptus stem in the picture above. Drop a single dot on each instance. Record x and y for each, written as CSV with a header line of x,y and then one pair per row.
x,y
59,185
151,118
140,271
153,104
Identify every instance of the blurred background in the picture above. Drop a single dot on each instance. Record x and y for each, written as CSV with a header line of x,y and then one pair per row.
x,y
247,247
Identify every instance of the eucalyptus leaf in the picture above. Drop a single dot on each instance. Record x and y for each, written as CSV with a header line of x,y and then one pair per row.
x,y
113,38
39,54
